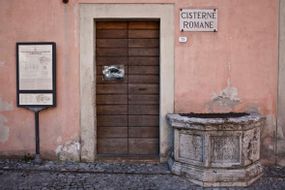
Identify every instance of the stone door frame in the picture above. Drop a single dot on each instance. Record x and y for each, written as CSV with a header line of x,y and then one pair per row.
x,y
91,12
281,88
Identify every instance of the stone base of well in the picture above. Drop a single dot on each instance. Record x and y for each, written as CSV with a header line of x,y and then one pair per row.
x,y
217,177
217,151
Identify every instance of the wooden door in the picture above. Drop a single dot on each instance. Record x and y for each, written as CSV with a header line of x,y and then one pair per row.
x,y
128,109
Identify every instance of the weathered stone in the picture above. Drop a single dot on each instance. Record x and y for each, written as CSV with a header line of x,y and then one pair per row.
x,y
281,88
217,151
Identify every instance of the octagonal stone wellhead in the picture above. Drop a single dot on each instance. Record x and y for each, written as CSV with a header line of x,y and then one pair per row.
x,y
214,150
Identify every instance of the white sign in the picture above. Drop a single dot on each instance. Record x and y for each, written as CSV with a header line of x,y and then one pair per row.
x,y
35,67
36,75
199,20
36,99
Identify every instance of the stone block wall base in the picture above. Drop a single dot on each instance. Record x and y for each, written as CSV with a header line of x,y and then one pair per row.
x,y
217,177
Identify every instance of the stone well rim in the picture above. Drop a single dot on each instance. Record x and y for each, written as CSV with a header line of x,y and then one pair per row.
x,y
250,117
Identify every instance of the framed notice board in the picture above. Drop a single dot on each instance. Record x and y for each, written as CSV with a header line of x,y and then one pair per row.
x,y
36,74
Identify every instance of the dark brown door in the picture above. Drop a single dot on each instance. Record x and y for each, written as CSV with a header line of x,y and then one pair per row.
x,y
128,108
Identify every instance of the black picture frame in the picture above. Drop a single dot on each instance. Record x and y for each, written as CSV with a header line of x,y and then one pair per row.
x,y
30,61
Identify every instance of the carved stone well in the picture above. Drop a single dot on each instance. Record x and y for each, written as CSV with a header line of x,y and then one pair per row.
x,y
214,150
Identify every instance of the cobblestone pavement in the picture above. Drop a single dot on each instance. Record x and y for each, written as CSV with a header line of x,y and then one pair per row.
x,y
71,175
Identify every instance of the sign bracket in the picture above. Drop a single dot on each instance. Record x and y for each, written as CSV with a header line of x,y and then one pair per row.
x,y
36,110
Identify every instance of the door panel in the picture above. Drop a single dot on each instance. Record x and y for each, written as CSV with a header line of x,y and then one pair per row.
x,y
128,109
143,52
113,132
112,52
112,34
112,109
143,43
112,43
112,88
143,34
143,89
144,70
101,80
144,61
143,79
143,99
111,25
143,25
112,120
112,146
114,60
112,99
143,132
143,145
143,121
142,109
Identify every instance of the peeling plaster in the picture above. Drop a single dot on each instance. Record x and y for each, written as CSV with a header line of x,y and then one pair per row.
x,y
2,63
69,151
252,108
5,106
268,140
225,101
59,140
4,130
270,126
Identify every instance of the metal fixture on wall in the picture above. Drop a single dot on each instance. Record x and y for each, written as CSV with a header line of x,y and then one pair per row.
x,y
113,72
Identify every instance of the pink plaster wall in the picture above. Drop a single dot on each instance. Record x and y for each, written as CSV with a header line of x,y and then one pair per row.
x,y
33,20
241,56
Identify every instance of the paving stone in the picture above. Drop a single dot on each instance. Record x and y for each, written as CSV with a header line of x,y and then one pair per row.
x,y
16,175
